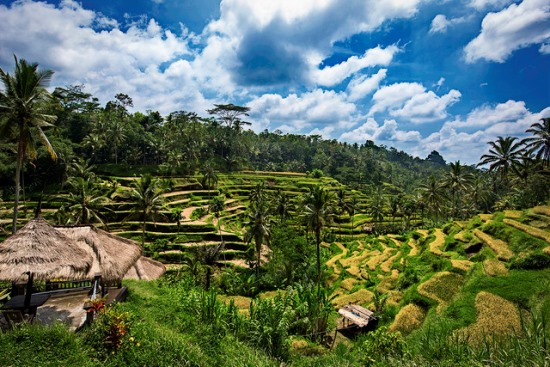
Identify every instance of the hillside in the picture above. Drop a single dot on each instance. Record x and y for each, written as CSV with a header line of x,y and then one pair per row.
x,y
485,278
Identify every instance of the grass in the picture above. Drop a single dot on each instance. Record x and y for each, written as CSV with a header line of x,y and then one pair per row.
x,y
494,267
442,287
462,265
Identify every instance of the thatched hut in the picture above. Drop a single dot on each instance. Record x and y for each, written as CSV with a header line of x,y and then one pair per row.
x,y
47,253
112,255
146,269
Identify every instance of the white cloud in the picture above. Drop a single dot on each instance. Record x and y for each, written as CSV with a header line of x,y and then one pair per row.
x,y
483,4
411,101
545,48
487,115
513,28
440,23
317,109
361,86
332,75
388,132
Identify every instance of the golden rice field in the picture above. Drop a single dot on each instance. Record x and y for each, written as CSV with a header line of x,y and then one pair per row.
x,y
348,283
423,232
435,245
408,319
388,282
496,317
494,268
513,214
462,265
543,209
533,231
415,250
462,236
332,261
485,217
376,260
499,247
386,265
361,297
441,287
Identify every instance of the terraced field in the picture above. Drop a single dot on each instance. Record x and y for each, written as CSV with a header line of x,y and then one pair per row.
x,y
463,272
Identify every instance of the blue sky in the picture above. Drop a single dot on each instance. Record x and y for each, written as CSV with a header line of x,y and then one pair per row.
x,y
417,75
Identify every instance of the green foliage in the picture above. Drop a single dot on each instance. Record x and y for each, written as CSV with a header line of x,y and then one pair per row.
x,y
532,261
381,344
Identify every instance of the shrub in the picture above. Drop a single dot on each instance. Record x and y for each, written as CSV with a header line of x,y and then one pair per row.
x,y
382,343
533,261
317,173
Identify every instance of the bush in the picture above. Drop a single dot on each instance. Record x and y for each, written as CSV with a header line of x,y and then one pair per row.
x,y
198,213
317,173
533,261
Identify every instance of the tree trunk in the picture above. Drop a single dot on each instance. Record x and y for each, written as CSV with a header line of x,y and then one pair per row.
x,y
20,156
318,240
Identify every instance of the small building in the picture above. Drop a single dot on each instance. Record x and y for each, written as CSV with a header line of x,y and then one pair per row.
x,y
357,318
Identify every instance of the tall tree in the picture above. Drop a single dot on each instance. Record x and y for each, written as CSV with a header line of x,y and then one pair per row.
x,y
146,196
23,103
318,213
352,208
258,228
505,154
458,181
433,194
539,144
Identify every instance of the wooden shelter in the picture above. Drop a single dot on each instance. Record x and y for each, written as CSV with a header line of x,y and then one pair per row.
x,y
112,256
46,253
357,316
146,269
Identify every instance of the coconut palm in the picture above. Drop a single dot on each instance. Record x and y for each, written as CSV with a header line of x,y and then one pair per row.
x,y
458,181
146,196
84,202
258,228
433,195
504,155
282,205
217,205
540,143
352,208
318,213
23,104
209,178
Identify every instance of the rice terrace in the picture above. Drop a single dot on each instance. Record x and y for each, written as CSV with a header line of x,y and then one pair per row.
x,y
237,183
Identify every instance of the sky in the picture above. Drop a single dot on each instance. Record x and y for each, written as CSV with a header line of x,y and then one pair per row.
x,y
417,75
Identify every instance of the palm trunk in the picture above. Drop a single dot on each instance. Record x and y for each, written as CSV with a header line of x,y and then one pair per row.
x,y
20,155
318,240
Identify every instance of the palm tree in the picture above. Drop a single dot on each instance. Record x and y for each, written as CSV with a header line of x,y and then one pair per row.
x,y
23,103
209,178
458,181
433,196
540,143
282,205
376,208
342,205
503,156
147,200
85,201
353,207
258,222
217,205
318,212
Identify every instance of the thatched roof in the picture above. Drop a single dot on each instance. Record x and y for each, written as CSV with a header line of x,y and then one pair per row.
x,y
47,253
146,269
112,255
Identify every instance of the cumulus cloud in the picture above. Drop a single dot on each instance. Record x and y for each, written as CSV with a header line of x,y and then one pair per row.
x,y
303,113
483,4
85,47
283,42
412,102
467,140
513,28
387,132
488,115
361,86
332,75
440,23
